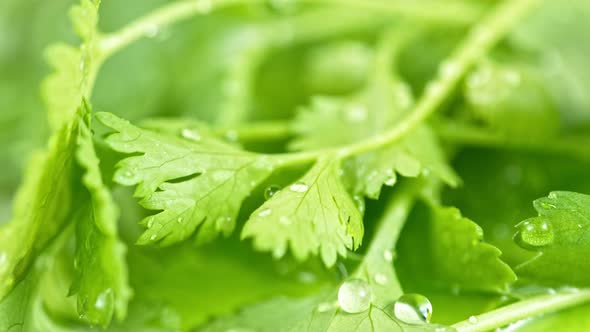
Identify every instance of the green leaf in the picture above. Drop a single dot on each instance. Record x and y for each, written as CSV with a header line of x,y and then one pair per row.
x,y
101,272
451,256
41,208
75,68
315,215
559,236
321,312
198,183
337,121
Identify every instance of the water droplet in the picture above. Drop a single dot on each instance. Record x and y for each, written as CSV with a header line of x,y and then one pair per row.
x,y
128,174
356,113
473,320
354,296
580,226
270,191
390,180
191,134
204,6
104,300
388,255
299,187
448,69
359,201
151,30
180,220
153,237
285,220
381,279
534,233
413,309
265,213
325,306
150,223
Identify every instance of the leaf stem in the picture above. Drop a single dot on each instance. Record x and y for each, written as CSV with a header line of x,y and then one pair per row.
x,y
478,43
454,12
522,310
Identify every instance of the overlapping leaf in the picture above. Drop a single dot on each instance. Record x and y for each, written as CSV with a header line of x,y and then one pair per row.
x,y
198,183
560,236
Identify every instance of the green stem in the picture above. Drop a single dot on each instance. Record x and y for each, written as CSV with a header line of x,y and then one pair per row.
x,y
522,310
471,135
481,39
455,12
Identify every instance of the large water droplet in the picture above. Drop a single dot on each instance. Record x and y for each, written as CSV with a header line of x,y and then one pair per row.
x,y
191,134
413,309
534,233
299,187
354,296
270,191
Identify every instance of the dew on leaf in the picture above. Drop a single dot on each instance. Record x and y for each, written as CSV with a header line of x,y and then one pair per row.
x,y
150,223
180,220
265,213
285,220
104,300
534,233
413,309
473,320
299,187
191,134
359,201
388,255
153,237
380,279
270,191
354,296
325,306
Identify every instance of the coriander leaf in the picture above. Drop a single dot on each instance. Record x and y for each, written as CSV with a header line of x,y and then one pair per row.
x,y
195,183
101,273
559,236
74,68
451,255
321,312
336,121
315,215
41,208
